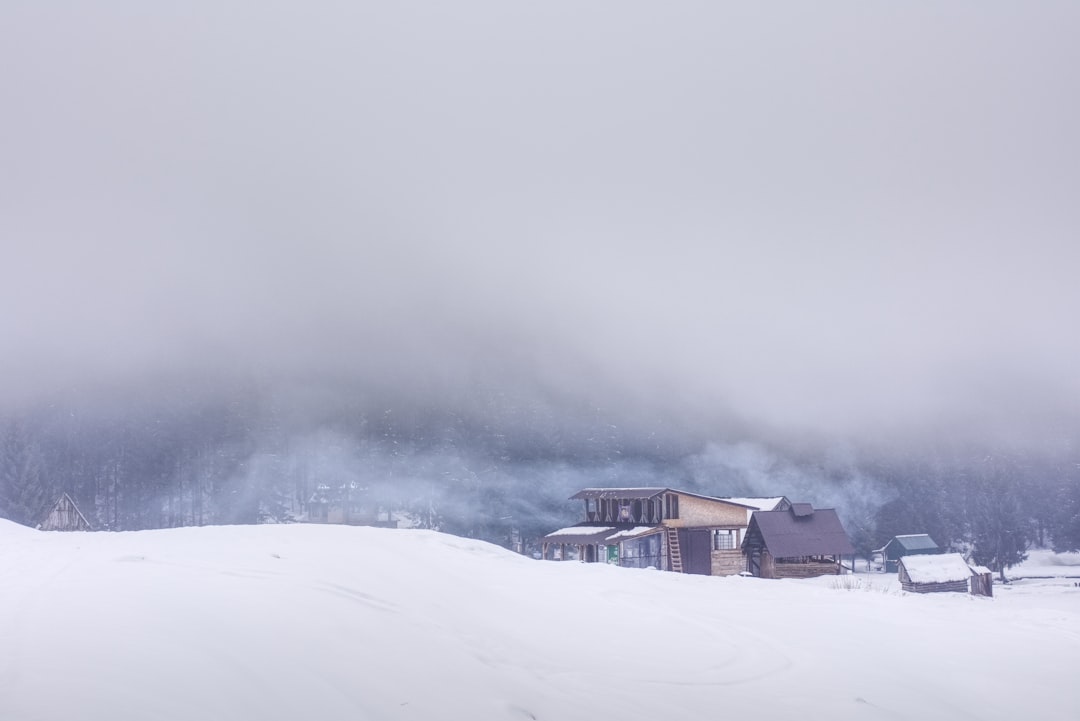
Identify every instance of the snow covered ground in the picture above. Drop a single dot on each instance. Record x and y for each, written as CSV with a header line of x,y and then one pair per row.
x,y
317,622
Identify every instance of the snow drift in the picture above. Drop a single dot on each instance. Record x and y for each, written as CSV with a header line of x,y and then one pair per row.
x,y
293,622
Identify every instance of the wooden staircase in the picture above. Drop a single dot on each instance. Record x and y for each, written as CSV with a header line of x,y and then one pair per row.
x,y
674,551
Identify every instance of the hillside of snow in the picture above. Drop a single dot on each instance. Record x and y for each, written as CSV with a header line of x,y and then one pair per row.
x,y
300,621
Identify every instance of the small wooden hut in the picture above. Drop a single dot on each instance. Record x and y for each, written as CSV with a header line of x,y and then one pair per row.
x,y
347,503
65,516
982,581
942,573
904,545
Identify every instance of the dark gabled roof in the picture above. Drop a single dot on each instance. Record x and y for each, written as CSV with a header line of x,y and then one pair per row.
x,y
645,492
788,535
914,542
802,509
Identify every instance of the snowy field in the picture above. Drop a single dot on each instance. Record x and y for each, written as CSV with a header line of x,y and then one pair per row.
x,y
314,622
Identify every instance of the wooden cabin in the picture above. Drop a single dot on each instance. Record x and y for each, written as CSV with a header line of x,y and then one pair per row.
x,y
800,542
901,546
943,573
349,504
65,516
662,528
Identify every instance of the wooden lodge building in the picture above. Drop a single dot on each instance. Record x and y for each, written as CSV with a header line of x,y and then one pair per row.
x,y
800,542
660,528
65,516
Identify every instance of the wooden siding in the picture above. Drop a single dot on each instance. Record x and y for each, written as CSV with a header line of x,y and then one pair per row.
x,y
951,587
982,584
767,565
65,516
728,563
811,569
697,512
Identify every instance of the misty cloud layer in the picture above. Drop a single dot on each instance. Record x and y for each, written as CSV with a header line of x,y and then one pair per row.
x,y
827,218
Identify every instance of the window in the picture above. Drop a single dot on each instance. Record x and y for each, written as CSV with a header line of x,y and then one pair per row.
x,y
671,506
724,540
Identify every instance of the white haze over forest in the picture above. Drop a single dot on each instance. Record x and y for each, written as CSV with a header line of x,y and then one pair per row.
x,y
841,217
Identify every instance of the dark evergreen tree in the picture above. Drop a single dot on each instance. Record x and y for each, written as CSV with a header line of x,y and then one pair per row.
x,y
24,493
1000,529
1065,520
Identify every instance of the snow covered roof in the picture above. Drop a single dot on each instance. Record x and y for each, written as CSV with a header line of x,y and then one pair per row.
x,y
634,532
584,534
581,534
935,568
758,504
618,493
644,492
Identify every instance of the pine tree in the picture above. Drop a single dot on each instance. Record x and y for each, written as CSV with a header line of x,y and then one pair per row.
x,y
24,495
1001,531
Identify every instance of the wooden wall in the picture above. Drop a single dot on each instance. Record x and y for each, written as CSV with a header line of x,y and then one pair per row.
x,y
805,570
951,587
767,565
982,584
698,512
728,563
64,516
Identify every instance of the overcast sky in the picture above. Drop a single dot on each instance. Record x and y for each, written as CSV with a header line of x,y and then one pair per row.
x,y
816,215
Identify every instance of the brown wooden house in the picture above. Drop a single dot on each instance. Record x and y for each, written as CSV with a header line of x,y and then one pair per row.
x,y
801,542
660,528
65,516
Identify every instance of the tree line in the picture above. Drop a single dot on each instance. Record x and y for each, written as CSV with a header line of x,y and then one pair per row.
x,y
501,466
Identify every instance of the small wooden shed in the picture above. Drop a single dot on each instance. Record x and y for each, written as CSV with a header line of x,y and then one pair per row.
x,y
65,516
905,545
982,581
942,573
348,503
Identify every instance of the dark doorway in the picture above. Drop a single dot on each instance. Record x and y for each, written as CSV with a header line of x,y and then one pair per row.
x,y
697,552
